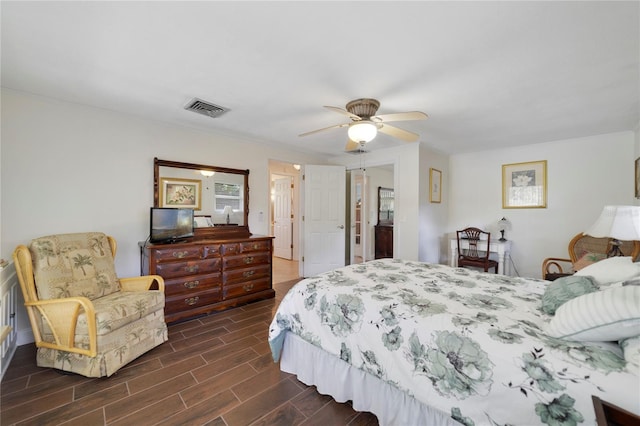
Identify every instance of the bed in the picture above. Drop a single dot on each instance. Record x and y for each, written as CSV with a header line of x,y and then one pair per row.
x,y
417,343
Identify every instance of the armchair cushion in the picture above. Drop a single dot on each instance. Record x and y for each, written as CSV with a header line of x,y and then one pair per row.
x,y
74,265
121,308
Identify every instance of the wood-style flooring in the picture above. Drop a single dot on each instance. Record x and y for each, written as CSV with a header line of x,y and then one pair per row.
x,y
214,370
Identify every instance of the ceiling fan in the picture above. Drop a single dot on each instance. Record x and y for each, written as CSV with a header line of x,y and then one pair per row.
x,y
365,124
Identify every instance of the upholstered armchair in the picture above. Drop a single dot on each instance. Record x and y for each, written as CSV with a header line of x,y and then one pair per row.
x,y
583,251
84,319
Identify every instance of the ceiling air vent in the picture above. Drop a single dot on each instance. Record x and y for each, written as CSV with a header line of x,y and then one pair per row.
x,y
205,108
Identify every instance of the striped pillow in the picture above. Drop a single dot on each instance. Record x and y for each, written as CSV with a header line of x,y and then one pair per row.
x,y
602,316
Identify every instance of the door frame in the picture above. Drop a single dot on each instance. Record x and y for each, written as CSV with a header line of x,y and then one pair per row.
x,y
368,220
284,168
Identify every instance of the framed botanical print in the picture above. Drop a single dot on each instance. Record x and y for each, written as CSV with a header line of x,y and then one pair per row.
x,y
524,185
180,193
435,185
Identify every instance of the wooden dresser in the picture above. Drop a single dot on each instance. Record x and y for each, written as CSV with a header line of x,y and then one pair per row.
x,y
209,275
383,244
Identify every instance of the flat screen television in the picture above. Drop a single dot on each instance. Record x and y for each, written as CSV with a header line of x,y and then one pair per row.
x,y
169,225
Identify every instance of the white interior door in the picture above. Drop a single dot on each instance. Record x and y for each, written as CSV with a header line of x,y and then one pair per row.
x,y
324,218
282,221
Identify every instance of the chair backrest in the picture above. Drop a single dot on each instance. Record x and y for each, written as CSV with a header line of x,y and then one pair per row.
x,y
477,241
585,249
79,264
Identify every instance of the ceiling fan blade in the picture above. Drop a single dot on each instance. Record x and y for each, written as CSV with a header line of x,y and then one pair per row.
x,y
351,145
323,129
401,116
399,133
344,112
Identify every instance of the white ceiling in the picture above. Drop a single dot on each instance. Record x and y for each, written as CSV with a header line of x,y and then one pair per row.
x,y
489,74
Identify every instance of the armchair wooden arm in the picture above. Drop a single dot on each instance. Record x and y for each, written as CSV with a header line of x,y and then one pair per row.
x,y
143,283
61,315
552,268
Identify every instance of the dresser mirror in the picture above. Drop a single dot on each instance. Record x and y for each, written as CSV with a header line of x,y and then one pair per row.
x,y
385,206
219,196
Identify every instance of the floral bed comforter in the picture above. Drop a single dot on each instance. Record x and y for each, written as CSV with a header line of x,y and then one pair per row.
x,y
466,343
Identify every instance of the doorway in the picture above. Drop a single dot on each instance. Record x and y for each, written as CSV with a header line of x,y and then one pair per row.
x,y
284,219
364,208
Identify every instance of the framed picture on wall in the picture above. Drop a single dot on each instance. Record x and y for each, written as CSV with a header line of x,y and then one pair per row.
x,y
435,185
524,185
638,177
180,193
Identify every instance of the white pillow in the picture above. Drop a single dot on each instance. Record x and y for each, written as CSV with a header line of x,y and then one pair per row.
x,y
602,316
611,270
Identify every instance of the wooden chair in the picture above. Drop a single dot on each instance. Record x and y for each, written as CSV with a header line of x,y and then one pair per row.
x,y
583,251
473,249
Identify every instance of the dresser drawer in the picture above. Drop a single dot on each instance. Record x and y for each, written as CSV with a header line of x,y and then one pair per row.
x,y
244,274
184,303
171,254
191,284
248,287
194,267
249,246
230,248
211,250
246,260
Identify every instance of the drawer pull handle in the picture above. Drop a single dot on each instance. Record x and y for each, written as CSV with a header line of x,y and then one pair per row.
x,y
256,246
192,284
248,273
191,301
193,268
180,254
248,259
247,287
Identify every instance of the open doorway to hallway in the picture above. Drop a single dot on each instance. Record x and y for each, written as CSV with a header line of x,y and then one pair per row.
x,y
284,219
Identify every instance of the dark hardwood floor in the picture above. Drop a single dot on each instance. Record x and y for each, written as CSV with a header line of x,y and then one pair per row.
x,y
214,370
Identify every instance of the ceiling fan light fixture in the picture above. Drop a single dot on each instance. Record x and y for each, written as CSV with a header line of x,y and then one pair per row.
x,y
362,131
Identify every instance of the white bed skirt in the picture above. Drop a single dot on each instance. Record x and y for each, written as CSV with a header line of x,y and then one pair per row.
x,y
332,376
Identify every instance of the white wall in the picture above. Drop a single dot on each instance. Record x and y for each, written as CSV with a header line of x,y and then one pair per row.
x,y
433,244
583,175
70,168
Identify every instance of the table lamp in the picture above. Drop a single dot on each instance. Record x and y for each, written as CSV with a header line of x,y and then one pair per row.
x,y
618,223
503,225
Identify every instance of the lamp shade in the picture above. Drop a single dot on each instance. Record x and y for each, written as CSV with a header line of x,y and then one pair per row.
x,y
619,222
504,224
362,131
227,210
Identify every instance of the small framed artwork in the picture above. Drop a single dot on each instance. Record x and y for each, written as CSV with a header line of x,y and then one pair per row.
x,y
638,177
435,185
180,193
524,185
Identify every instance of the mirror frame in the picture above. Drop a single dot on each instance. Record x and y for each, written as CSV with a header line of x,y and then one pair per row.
x,y
217,232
